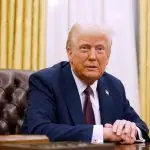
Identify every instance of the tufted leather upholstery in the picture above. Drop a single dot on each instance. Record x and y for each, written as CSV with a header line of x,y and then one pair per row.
x,y
13,99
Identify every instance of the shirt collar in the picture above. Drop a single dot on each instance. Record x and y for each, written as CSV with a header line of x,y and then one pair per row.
x,y
81,86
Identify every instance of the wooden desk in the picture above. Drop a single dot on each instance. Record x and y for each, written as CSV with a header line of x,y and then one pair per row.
x,y
23,139
140,146
73,146
57,146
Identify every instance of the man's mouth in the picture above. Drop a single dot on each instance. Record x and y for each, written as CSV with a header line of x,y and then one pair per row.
x,y
91,67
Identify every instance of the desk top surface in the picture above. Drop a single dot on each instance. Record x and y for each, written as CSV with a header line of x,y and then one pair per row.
x,y
23,139
73,146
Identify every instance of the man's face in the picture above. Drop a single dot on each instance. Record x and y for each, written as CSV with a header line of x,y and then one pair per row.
x,y
89,56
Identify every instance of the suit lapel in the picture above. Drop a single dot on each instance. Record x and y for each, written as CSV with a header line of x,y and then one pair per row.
x,y
105,101
71,95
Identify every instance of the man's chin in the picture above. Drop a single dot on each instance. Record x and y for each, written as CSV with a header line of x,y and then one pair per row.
x,y
93,76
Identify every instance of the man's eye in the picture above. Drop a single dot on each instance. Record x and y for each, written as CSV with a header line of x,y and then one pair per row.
x,y
100,48
84,47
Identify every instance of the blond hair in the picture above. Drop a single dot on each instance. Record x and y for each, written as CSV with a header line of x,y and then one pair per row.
x,y
76,28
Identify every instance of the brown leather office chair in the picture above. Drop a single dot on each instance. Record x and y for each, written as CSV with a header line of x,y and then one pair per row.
x,y
13,100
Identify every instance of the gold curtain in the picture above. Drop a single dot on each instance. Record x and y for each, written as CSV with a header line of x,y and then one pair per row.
x,y
144,59
22,34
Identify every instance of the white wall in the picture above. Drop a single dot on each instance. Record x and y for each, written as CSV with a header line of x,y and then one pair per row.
x,y
118,14
123,64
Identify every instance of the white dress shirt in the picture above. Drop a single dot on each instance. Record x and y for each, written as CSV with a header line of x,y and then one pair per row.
x,y
97,136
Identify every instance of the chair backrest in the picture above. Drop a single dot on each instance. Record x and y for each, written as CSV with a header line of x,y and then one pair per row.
x,y
13,99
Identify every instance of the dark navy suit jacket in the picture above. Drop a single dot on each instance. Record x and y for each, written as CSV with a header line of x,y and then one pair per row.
x,y
54,107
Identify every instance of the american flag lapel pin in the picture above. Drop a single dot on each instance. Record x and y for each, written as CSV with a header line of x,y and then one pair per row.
x,y
107,92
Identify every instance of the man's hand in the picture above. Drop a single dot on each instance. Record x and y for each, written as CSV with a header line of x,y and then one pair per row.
x,y
121,131
126,130
109,135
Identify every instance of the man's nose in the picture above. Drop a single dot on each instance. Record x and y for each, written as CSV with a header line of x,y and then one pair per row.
x,y
92,54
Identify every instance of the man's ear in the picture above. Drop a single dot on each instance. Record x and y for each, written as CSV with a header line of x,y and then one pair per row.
x,y
69,53
108,56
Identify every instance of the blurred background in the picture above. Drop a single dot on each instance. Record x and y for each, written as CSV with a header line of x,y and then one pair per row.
x,y
33,35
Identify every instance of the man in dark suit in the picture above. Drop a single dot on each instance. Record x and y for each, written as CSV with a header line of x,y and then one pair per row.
x,y
78,100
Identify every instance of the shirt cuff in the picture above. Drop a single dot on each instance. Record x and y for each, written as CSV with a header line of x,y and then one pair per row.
x,y
140,138
97,136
